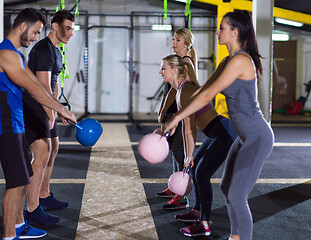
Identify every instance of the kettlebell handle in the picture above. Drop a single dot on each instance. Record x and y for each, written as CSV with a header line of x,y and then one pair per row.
x,y
166,135
186,170
75,124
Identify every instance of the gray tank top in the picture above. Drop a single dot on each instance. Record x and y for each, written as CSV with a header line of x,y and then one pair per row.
x,y
242,103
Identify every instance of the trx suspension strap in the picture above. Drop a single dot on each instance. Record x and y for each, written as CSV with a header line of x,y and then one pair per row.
x,y
77,8
65,75
165,9
188,15
64,72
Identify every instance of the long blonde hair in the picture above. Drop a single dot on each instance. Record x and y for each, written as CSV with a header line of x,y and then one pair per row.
x,y
185,70
188,38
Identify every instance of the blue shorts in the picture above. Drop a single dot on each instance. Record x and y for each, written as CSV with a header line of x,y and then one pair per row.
x,y
15,160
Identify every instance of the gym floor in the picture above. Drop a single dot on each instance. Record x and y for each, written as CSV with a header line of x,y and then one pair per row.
x,y
112,190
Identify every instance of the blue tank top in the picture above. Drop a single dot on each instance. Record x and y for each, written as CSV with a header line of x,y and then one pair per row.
x,y
11,105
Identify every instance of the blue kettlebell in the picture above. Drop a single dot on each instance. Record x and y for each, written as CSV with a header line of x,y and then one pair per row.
x,y
88,131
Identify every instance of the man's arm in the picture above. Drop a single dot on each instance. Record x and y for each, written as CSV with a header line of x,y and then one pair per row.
x,y
56,92
45,78
11,64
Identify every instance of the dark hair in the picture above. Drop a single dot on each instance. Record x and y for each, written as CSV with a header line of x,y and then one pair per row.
x,y
29,16
241,20
61,15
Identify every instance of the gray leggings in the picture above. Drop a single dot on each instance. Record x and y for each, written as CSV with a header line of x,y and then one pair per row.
x,y
242,169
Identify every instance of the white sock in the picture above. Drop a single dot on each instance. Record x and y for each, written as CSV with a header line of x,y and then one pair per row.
x,y
205,224
8,238
19,225
230,238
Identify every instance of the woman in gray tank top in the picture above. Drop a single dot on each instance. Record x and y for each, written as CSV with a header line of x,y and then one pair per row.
x,y
237,77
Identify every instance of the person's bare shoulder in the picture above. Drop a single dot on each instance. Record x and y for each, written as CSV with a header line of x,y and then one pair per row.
x,y
188,60
9,58
245,64
6,54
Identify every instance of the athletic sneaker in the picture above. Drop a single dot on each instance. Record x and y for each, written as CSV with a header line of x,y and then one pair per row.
x,y
196,229
178,202
51,203
166,194
28,232
189,217
17,237
38,216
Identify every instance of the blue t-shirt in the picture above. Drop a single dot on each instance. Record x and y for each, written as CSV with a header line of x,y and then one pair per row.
x,y
11,105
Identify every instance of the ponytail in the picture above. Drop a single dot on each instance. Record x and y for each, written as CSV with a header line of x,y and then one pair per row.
x,y
241,20
185,69
188,38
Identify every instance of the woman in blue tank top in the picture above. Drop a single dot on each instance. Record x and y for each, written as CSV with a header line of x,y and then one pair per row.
x,y
237,77
212,152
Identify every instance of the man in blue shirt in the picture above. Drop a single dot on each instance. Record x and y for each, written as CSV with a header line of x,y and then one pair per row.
x,y
15,76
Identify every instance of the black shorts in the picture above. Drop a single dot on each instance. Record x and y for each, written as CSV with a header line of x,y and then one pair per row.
x,y
15,160
36,121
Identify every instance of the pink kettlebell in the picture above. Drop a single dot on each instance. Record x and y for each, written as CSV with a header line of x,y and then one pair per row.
x,y
180,183
153,148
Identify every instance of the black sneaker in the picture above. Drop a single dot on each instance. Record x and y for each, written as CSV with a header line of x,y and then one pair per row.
x,y
51,203
38,216
166,194
190,217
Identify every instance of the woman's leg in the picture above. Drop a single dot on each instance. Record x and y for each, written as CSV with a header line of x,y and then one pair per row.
x,y
242,171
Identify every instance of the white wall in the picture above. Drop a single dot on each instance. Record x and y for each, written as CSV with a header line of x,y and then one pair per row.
x,y
152,46
108,55
108,70
108,76
303,67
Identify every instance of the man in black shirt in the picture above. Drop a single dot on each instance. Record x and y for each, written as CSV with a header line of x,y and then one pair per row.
x,y
45,61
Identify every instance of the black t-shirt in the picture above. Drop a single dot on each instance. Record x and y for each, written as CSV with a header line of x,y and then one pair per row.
x,y
44,56
173,107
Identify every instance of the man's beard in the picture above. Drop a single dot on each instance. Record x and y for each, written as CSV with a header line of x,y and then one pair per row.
x,y
24,39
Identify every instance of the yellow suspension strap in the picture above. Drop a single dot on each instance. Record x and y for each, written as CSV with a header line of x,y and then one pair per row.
x,y
77,8
61,5
64,72
188,14
165,9
65,75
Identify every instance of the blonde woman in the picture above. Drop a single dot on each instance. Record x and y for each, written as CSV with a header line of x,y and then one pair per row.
x,y
213,151
182,45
